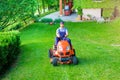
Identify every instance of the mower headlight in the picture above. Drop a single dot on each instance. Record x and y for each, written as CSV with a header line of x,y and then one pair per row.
x,y
60,48
68,48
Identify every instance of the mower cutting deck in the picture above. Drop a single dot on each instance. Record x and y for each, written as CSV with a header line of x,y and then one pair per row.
x,y
63,54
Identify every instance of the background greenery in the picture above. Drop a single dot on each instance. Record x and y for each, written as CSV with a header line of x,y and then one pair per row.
x,y
23,11
95,4
106,5
26,12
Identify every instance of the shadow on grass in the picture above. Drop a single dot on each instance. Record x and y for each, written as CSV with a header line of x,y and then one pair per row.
x,y
7,67
40,47
89,61
84,61
81,62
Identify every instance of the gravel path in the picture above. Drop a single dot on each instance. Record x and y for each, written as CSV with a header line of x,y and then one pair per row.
x,y
55,15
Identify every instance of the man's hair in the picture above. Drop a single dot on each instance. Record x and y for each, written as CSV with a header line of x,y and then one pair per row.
x,y
61,22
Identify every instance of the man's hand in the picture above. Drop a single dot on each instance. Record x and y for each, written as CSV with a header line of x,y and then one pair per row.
x,y
58,35
66,35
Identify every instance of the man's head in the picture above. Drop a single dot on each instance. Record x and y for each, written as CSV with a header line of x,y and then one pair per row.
x,y
62,24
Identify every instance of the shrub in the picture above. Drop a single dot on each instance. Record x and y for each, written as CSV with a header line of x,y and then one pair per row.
x,y
9,47
17,26
107,12
1,28
58,20
46,20
36,18
79,11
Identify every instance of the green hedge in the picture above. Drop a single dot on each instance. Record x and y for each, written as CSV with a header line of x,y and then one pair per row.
x,y
58,20
46,20
9,47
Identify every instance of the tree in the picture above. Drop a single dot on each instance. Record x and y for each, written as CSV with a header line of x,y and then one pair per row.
x,y
80,12
43,5
12,11
52,4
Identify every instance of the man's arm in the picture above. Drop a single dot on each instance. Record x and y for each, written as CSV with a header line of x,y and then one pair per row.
x,y
57,33
66,33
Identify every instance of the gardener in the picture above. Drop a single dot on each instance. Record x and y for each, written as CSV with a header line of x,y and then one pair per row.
x,y
61,34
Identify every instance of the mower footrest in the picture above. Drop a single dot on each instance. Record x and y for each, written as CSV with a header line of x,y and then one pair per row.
x,y
64,59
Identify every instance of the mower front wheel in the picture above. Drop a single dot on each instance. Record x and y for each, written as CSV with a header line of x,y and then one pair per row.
x,y
54,61
74,60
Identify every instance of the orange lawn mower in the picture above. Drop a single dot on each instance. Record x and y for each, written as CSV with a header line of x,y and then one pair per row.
x,y
63,54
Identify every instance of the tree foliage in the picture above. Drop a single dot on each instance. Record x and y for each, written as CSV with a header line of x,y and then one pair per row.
x,y
15,10
12,11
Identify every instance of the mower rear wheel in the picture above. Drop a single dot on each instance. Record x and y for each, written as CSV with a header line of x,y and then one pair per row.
x,y
50,53
74,52
54,61
74,60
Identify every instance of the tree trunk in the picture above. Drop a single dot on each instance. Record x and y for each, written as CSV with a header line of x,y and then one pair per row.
x,y
60,7
43,5
39,10
80,17
116,12
48,7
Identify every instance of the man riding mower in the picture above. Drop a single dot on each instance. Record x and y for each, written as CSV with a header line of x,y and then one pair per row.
x,y
63,51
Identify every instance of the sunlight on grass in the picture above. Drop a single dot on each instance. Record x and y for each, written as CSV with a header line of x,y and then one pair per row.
x,y
98,60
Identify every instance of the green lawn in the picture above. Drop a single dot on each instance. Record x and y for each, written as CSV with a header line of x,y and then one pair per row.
x,y
97,48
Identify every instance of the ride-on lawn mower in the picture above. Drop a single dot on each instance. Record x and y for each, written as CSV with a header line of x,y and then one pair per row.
x,y
63,54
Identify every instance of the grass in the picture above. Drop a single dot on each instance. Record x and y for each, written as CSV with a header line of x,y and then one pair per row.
x,y
97,48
